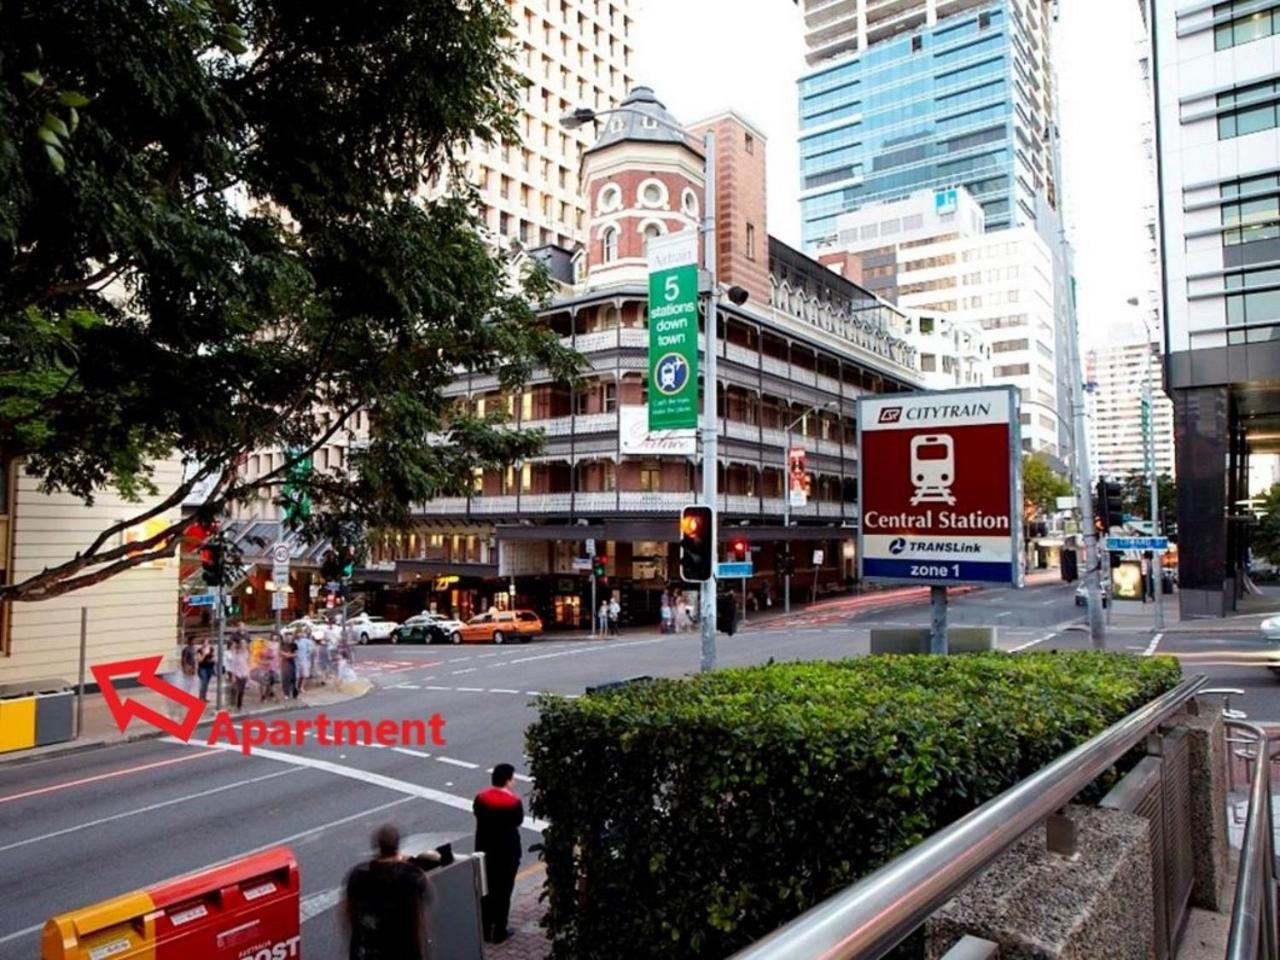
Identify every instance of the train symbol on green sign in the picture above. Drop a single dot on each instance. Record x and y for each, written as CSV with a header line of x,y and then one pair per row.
x,y
671,374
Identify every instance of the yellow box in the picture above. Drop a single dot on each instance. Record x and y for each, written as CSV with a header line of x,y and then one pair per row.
x,y
122,928
17,723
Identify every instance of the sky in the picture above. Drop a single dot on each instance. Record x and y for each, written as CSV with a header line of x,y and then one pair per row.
x,y
705,56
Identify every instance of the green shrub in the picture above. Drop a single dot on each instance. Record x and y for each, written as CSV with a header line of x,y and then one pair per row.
x,y
690,817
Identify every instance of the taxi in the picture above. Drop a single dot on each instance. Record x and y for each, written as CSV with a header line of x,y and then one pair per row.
x,y
500,627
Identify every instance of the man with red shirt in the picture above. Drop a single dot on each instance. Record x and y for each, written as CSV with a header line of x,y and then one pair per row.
x,y
499,813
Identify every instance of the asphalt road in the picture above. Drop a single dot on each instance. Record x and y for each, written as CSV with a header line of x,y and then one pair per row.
x,y
83,827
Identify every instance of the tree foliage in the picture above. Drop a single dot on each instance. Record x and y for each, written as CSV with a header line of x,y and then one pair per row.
x,y
1266,535
1041,486
1137,497
215,238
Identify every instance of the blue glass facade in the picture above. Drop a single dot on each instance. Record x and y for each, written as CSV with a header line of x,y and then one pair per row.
x,y
931,109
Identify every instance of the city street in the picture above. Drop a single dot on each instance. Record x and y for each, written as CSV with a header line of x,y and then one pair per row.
x,y
83,827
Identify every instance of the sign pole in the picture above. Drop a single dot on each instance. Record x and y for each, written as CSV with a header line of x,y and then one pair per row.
x,y
217,669
594,580
938,620
710,469
786,517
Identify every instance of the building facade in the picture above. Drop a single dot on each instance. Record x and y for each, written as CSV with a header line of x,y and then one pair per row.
x,y
929,252
1216,87
1117,376
792,361
929,95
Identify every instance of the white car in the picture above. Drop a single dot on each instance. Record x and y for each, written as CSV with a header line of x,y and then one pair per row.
x,y
314,624
367,629
1270,628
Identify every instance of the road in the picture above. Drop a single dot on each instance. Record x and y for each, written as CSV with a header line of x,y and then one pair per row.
x,y
79,828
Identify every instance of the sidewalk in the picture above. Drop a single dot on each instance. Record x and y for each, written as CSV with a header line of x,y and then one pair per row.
x,y
529,942
100,728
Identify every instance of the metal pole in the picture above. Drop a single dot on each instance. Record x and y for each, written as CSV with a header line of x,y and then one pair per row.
x,y
84,637
938,620
1084,494
1157,568
594,615
217,667
786,513
743,618
710,479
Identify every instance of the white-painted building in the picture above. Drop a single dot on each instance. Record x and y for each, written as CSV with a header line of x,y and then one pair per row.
x,y
951,354
1116,376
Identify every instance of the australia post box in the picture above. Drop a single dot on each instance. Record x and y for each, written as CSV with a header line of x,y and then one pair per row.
x,y
243,910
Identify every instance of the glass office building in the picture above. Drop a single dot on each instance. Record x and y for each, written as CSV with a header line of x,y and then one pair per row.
x,y
963,101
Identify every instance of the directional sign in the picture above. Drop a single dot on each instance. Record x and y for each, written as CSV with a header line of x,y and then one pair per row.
x,y
735,571
673,331
582,563
1137,543
591,546
280,600
202,600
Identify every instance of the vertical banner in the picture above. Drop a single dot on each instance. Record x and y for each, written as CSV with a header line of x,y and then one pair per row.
x,y
940,484
797,477
673,331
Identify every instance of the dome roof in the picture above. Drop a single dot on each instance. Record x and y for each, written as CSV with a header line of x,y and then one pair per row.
x,y
641,116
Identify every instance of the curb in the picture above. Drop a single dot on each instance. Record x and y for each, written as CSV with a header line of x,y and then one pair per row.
x,y
59,750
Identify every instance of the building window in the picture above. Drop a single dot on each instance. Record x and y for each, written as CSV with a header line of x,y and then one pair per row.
x,y
1248,110
1250,217
609,239
1010,346
1012,370
610,198
652,193
917,44
689,203
751,242
1245,28
928,363
748,143
1246,304
650,476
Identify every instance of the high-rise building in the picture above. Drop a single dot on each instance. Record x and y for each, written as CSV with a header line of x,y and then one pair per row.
x,y
929,253
925,95
1117,376
1216,86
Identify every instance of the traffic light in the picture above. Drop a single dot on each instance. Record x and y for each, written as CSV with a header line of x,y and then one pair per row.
x,y
786,565
740,550
599,566
697,543
348,562
1110,504
329,567
213,560
726,613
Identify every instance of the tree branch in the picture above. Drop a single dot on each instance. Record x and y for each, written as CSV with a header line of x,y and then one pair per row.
x,y
78,286
22,592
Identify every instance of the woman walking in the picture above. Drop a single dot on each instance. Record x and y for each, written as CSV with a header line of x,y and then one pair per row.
x,y
239,671
206,665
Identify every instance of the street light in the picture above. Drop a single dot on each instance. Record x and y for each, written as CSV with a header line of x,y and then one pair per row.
x,y
1149,453
710,480
786,495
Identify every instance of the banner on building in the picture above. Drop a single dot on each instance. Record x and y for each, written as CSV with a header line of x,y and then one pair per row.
x,y
673,331
797,477
940,483
637,438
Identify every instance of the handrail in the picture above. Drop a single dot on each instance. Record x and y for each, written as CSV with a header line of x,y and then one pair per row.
x,y
1253,915
873,916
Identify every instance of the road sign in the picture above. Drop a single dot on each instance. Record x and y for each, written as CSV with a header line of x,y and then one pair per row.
x,y
940,506
202,600
673,331
818,557
735,570
280,600
591,547
582,563
1137,543
280,553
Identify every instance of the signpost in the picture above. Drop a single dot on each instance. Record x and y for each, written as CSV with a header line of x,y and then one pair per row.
x,y
931,512
735,570
280,554
1138,543
202,599
673,331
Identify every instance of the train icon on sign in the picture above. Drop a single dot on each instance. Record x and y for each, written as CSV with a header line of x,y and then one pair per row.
x,y
933,468
671,374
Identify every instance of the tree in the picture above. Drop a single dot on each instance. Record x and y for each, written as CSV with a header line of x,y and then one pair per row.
x,y
1266,535
1041,486
215,238
1137,497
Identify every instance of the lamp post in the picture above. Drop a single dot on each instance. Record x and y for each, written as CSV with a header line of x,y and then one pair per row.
x,y
710,479
1149,455
786,496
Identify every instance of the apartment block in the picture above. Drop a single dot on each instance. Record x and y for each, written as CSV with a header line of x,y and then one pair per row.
x,y
1116,376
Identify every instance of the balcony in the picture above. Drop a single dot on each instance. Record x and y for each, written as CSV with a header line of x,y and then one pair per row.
x,y
626,502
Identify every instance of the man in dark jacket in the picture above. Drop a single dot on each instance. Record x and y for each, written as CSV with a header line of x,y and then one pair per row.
x,y
384,904
499,813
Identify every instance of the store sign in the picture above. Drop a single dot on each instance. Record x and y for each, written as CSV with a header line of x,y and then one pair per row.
x,y
638,439
939,476
141,532
673,331
797,477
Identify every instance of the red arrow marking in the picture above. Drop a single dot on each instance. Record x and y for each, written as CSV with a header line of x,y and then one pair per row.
x,y
123,710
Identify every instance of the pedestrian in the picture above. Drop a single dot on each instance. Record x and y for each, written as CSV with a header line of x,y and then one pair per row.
x,y
602,618
615,612
683,622
302,666
239,670
206,665
665,626
270,668
187,660
323,654
499,814
289,667
384,904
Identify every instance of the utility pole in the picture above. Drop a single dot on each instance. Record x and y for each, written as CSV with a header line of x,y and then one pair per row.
x,y
710,463
1092,575
1149,454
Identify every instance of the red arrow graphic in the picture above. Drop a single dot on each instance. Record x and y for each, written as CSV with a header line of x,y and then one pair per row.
x,y
124,710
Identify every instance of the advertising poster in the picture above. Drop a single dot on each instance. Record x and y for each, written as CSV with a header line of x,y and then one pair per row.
x,y
940,485
673,331
797,477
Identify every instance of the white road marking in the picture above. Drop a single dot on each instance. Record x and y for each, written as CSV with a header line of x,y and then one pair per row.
x,y
1047,603
485,656
1030,643
502,690
147,809
1006,613
465,764
410,752
519,776
439,688
471,689
1151,647
405,686
318,903
364,776
467,670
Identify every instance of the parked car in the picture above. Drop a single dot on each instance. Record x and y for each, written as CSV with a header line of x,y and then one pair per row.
x,y
522,625
1082,597
367,629
426,628
1270,628
314,624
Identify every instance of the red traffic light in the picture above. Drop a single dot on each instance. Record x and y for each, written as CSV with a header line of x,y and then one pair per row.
x,y
739,548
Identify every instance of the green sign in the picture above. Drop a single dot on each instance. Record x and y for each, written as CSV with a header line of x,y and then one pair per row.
x,y
673,331
297,501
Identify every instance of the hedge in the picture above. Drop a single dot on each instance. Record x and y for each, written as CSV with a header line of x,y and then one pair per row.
x,y
690,817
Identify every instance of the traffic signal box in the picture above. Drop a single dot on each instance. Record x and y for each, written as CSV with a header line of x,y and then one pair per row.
x,y
1110,510
697,543
213,561
741,550
726,613
244,910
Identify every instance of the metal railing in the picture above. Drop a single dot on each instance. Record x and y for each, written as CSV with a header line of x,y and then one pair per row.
x,y
1253,915
873,916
